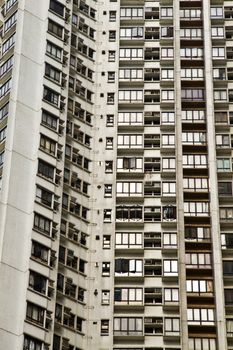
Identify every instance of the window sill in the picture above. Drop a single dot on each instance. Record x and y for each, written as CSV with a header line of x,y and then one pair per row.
x,y
53,57
38,293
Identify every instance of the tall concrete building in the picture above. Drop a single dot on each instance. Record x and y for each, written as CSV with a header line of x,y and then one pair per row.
x,y
116,196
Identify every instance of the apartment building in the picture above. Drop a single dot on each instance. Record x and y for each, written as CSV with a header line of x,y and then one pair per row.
x,y
116,199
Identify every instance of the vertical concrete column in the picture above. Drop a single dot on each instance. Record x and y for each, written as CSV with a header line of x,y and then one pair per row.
x,y
19,171
213,183
179,180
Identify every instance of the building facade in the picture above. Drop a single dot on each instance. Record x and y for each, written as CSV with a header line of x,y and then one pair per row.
x,y
116,199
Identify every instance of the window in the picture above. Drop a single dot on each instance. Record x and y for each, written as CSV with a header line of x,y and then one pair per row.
x,y
106,241
51,96
111,56
169,240
2,155
107,190
57,7
130,96
106,269
198,260
216,12
55,28
130,189
107,215
128,164
131,13
225,188
112,35
226,213
81,294
129,213
200,316
6,66
8,44
219,74
40,252
31,343
52,73
130,74
46,170
130,118
194,138
223,164
218,52
128,326
131,32
48,145
190,14
194,161
166,12
171,326
227,240
37,282
4,111
166,32
128,296
111,77
217,32
129,141
10,22
220,95
109,120
9,4
167,74
167,95
202,344
192,73
190,33
110,98
4,89
104,327
169,188
171,295
3,134
227,268
105,297
131,54
169,164
195,184
108,166
168,140
54,50
109,143
127,240
228,293
49,120
192,94
191,53
199,287
42,224
35,314
112,16
167,52
128,267
43,196
170,267
196,208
